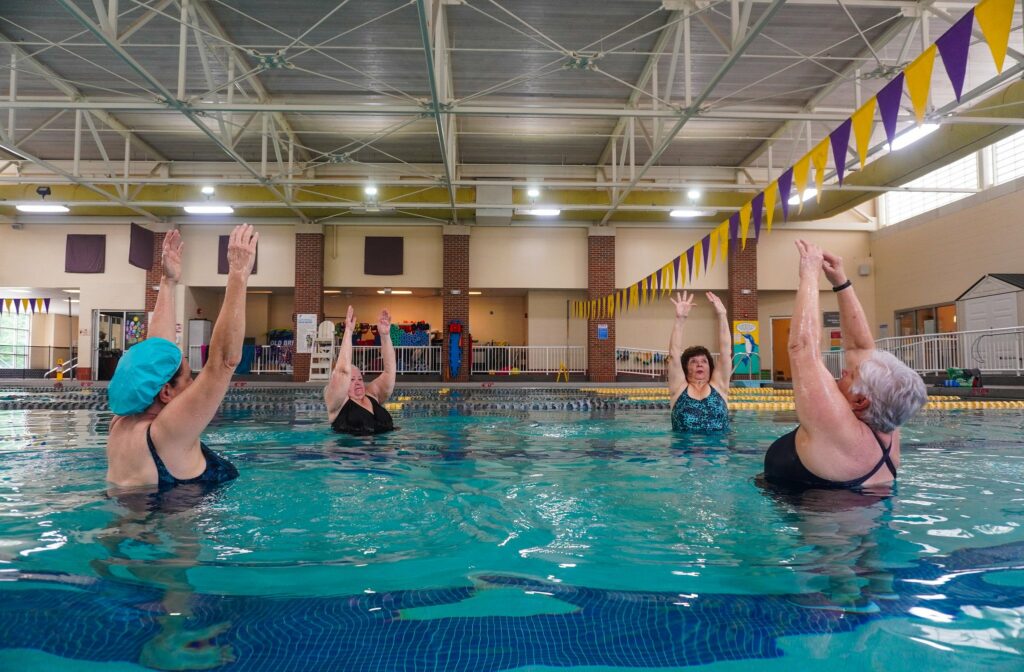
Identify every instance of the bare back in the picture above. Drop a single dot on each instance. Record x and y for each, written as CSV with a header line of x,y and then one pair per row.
x,y
129,462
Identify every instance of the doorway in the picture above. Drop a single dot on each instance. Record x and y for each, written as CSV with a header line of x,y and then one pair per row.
x,y
114,331
781,372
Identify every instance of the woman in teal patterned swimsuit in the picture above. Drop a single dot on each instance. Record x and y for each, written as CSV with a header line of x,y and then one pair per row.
x,y
699,390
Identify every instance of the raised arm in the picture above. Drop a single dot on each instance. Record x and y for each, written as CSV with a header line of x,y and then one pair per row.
x,y
162,324
336,392
382,387
676,376
852,321
820,406
179,425
723,370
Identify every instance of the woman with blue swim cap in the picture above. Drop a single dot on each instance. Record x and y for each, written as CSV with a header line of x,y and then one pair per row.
x,y
160,411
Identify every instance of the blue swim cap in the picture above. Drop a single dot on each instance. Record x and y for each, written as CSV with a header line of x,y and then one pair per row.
x,y
142,371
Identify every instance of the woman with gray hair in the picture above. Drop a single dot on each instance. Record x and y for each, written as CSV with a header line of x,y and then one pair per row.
x,y
848,435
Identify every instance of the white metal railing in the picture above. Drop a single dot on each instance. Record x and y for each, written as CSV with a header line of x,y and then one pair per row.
x,y
272,359
834,360
512,359
641,362
408,359
989,350
64,369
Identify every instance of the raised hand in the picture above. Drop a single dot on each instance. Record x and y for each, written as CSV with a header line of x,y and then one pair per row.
x,y
683,304
384,323
833,266
242,250
716,303
171,255
811,258
350,319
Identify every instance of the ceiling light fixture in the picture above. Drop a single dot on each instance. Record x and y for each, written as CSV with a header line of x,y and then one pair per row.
x,y
42,208
687,213
394,291
370,190
209,209
71,291
474,293
260,291
693,194
808,195
539,212
332,291
533,192
208,190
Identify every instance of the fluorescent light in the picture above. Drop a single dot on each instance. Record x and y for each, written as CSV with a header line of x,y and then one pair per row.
x,y
73,301
533,192
913,135
18,290
260,291
473,293
693,194
394,291
42,208
71,291
684,213
332,291
370,190
808,195
209,209
539,212
208,190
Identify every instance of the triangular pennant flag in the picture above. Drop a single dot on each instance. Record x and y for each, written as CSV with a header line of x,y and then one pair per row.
x,y
800,170
689,263
919,81
953,47
611,306
755,213
696,260
705,244
819,156
744,225
658,276
713,244
31,304
770,194
863,121
734,226
24,305
723,238
994,18
1,306
785,183
8,302
675,264
840,139
889,106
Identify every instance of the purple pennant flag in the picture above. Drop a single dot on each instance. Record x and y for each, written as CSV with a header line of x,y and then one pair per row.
x,y
734,226
840,139
657,279
46,302
757,205
889,105
953,47
785,186
1,306
705,243
689,263
675,264
17,306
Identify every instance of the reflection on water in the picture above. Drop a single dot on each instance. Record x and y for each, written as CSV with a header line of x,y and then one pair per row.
x,y
609,500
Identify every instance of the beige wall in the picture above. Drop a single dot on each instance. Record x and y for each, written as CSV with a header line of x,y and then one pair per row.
x,y
936,257
547,319
498,318
638,252
650,326
523,257
281,308
344,247
257,315
276,261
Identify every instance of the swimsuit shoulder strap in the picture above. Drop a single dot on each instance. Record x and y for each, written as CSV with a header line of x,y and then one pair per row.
x,y
161,469
886,456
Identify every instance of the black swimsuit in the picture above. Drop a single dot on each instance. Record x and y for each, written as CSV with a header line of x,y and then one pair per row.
x,y
354,419
782,466
218,469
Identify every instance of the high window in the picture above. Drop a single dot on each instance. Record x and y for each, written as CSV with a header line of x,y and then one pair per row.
x,y
15,338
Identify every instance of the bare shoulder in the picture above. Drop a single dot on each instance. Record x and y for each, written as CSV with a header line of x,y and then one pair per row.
x,y
128,460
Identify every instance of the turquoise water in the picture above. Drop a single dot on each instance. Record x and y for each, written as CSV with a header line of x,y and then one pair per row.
x,y
606,501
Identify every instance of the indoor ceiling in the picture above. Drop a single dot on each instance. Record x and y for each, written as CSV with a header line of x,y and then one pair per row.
x,y
452,109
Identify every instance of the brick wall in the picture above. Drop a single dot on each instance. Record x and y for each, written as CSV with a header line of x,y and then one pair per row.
x,y
600,283
154,275
456,306
743,278
309,290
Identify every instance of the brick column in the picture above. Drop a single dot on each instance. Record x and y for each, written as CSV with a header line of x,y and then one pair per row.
x,y
455,297
600,283
155,274
309,287
742,302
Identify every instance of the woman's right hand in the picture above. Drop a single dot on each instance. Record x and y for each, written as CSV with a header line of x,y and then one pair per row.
x,y
833,267
811,257
350,320
683,304
242,250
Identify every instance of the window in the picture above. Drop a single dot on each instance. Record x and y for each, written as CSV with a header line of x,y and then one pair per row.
x,y
900,205
926,320
1008,158
15,338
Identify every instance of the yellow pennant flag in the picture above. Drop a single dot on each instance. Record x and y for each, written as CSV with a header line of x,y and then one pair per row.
x,y
634,296
918,76
819,155
800,170
723,237
994,18
697,257
771,194
863,123
8,302
24,305
744,224
611,306
713,246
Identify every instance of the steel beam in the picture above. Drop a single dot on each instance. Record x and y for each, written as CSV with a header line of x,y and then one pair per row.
x,y
435,102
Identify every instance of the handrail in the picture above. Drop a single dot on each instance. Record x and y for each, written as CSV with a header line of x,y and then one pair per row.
x,y
65,368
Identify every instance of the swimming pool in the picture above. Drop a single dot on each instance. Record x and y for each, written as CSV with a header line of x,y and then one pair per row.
x,y
506,529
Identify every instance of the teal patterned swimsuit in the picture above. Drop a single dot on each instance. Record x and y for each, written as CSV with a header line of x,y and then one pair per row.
x,y
710,414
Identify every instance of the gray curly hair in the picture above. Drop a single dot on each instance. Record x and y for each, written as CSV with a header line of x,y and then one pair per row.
x,y
895,390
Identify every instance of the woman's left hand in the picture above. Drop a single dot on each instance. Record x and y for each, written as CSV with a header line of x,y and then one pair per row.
x,y
384,323
716,303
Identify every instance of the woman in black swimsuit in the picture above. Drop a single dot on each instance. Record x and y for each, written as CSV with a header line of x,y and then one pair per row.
x,y
848,435
352,407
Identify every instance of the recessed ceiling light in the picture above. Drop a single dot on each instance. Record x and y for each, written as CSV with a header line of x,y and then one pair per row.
x,y
332,291
686,213
370,190
42,208
73,301
209,209
18,290
208,190
475,293
394,291
533,192
539,212
71,291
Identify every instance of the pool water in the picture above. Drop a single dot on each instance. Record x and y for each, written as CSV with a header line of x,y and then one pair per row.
x,y
492,539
